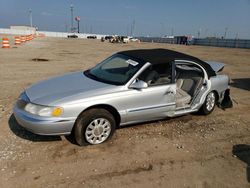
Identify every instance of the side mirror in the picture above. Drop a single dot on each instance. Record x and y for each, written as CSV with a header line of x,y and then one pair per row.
x,y
139,84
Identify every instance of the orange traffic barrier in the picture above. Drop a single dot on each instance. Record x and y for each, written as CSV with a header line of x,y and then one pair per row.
x,y
6,43
29,37
17,40
23,39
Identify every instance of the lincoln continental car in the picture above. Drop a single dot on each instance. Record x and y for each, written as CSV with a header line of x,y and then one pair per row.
x,y
127,88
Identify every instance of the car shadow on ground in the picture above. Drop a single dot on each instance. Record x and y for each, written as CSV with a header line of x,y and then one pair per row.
x,y
242,151
241,83
23,133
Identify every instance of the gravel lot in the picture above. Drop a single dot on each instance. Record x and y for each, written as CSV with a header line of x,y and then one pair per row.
x,y
188,151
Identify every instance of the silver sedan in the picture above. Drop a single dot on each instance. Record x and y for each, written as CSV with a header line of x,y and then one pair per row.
x,y
127,88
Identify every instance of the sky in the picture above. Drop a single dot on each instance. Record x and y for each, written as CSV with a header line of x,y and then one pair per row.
x,y
210,18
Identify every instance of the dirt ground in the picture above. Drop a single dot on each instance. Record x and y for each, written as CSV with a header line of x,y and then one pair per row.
x,y
188,151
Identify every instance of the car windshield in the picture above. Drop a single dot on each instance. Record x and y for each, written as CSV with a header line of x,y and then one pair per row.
x,y
117,70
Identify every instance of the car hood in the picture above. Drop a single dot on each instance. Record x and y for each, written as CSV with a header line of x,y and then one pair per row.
x,y
50,91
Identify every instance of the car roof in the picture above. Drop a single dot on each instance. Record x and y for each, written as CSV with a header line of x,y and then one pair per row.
x,y
159,56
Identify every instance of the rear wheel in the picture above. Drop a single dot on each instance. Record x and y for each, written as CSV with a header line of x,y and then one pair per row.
x,y
94,126
209,104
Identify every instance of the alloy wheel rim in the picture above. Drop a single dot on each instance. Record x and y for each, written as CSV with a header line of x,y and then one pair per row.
x,y
210,101
98,131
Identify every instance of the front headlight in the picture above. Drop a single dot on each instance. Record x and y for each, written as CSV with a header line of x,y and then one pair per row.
x,y
46,111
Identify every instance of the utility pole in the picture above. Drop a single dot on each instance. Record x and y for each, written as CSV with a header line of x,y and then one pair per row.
x,y
225,34
172,31
237,36
162,29
30,16
91,29
132,28
72,17
206,33
66,27
199,33
127,30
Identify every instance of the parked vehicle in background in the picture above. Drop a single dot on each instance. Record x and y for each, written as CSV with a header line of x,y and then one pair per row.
x,y
91,37
133,39
116,39
129,39
127,88
108,37
126,40
72,36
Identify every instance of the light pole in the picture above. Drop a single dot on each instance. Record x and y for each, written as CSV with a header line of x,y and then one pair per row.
x,y
132,28
30,16
72,17
199,33
225,34
162,29
206,33
172,31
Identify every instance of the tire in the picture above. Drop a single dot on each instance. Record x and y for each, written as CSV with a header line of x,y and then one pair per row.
x,y
209,104
94,126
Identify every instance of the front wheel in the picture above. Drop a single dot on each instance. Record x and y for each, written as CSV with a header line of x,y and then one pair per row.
x,y
94,126
209,104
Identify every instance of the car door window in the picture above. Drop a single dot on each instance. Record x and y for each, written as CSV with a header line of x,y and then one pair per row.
x,y
159,74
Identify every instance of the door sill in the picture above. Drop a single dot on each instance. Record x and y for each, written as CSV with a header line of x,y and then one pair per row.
x,y
184,110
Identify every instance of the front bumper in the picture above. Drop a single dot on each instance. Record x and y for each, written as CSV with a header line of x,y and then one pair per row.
x,y
43,125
